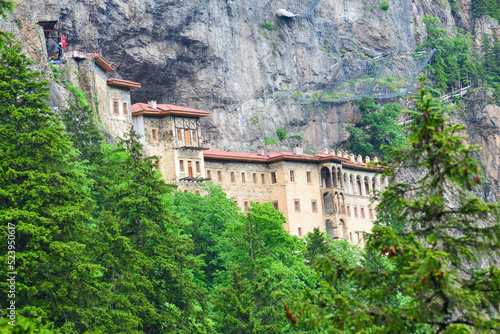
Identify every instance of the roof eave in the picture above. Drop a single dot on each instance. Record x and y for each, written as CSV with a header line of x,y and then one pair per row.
x,y
124,84
168,113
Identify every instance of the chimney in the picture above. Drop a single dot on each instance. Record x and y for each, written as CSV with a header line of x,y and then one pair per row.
x,y
152,104
260,150
298,149
351,157
375,159
325,151
359,158
367,159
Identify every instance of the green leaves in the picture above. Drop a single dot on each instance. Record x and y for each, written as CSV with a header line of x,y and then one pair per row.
x,y
378,128
455,61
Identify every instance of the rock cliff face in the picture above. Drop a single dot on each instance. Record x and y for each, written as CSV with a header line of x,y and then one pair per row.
x,y
243,64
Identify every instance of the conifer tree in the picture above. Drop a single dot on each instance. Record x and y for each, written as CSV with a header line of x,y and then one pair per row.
x,y
442,265
43,197
134,199
318,243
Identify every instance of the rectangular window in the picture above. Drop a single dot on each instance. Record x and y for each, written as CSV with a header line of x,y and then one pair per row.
x,y
263,178
198,167
179,134
219,176
209,174
115,108
236,202
154,134
125,108
186,138
243,177
254,176
314,205
362,211
232,177
350,236
190,169
181,165
194,136
275,205
308,177
158,166
297,205
245,206
371,214
355,212
273,178
292,176
299,231
348,211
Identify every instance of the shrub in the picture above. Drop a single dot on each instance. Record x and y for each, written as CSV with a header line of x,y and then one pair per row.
x,y
384,5
268,26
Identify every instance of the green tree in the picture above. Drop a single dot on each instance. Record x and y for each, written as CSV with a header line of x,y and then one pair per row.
x,y
5,7
266,259
133,201
318,243
445,285
491,64
455,61
377,129
43,197
486,7
22,326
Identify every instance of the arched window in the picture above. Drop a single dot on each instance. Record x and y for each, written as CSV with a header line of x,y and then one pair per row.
x,y
334,178
358,184
342,203
336,202
367,186
374,184
341,229
326,178
328,203
346,184
339,173
351,185
329,228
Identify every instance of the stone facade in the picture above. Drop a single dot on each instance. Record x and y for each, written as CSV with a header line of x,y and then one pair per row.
x,y
110,98
329,191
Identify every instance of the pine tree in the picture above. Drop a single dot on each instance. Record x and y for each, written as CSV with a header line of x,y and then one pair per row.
x,y
442,266
43,197
318,243
134,199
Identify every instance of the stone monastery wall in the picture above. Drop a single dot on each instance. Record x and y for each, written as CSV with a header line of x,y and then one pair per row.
x,y
329,191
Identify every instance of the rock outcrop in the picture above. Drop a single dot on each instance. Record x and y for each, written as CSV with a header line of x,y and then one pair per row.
x,y
243,64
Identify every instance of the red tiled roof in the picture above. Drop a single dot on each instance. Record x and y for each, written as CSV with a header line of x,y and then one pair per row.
x,y
123,83
166,110
279,156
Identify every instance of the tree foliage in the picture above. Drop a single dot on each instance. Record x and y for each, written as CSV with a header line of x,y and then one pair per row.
x,y
437,279
44,194
377,129
486,7
455,61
